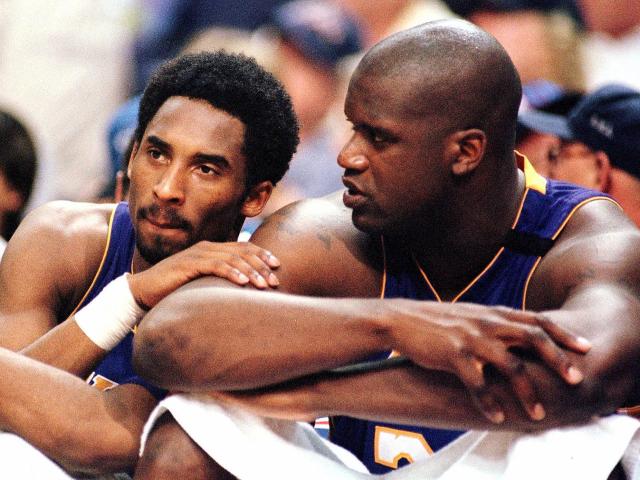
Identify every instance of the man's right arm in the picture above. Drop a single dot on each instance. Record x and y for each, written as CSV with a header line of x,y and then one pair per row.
x,y
84,429
48,265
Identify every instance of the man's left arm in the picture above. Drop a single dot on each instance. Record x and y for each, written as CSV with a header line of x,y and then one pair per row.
x,y
588,283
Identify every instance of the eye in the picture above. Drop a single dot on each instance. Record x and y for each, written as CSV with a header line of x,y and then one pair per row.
x,y
377,138
552,155
207,170
155,153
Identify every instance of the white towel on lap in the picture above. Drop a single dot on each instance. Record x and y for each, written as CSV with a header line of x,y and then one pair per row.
x,y
252,447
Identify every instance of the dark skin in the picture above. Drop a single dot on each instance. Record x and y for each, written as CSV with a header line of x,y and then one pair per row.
x,y
451,193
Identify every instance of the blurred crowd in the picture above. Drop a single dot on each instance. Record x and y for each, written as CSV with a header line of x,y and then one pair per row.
x,y
71,72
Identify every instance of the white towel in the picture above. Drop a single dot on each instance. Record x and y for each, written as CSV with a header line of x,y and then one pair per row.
x,y
252,447
20,461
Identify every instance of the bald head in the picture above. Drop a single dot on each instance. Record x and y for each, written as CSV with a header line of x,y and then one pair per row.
x,y
452,70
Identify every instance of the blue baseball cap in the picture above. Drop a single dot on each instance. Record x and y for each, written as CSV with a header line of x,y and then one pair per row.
x,y
607,119
321,31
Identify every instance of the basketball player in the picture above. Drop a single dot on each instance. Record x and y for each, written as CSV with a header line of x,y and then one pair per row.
x,y
215,133
469,264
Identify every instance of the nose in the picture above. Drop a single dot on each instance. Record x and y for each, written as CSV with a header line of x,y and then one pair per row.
x,y
351,157
169,187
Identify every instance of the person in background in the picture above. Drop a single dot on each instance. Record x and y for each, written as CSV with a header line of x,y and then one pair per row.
x,y
549,97
311,39
600,146
542,37
18,164
610,52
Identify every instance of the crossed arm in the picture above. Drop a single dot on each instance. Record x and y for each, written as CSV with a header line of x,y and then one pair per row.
x,y
205,338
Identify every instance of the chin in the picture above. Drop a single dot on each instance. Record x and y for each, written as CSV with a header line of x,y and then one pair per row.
x,y
366,223
158,249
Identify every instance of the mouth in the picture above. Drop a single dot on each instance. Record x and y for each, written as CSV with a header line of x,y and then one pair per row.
x,y
160,219
162,224
353,196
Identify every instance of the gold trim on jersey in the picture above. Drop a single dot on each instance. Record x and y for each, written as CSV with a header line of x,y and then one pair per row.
x,y
534,184
104,258
383,286
533,180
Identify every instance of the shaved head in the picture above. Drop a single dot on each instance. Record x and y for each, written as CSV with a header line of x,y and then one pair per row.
x,y
453,71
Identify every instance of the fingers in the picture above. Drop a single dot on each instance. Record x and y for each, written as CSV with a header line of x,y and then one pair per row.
x,y
513,369
554,357
241,263
471,373
546,338
562,335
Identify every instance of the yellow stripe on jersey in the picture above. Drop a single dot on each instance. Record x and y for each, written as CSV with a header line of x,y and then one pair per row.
x,y
104,257
533,180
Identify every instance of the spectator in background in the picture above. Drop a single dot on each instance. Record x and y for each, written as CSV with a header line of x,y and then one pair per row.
x,y
17,171
540,147
168,25
541,36
381,18
312,38
600,146
611,50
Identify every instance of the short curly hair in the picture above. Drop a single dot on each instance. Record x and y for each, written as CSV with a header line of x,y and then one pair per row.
x,y
18,165
236,84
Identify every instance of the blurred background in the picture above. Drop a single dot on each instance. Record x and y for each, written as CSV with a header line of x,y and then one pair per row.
x,y
71,71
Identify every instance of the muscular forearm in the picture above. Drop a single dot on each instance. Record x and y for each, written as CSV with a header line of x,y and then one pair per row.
x,y
411,395
53,349
250,340
71,422
186,344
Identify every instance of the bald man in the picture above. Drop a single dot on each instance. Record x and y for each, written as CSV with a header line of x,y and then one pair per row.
x,y
515,298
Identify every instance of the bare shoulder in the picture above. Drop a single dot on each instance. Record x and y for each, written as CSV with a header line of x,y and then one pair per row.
x,y
61,225
599,244
60,243
321,252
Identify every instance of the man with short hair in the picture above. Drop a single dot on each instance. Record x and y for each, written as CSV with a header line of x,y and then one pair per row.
x,y
215,132
468,263
600,144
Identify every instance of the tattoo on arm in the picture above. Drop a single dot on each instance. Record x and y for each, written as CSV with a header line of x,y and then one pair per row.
x,y
325,239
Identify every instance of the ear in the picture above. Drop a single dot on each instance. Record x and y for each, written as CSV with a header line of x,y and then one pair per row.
x,y
603,171
256,199
118,193
13,200
134,151
464,150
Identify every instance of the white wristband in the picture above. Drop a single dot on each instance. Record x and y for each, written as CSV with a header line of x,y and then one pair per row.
x,y
109,317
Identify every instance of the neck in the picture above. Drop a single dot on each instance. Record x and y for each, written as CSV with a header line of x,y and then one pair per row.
x,y
470,233
139,264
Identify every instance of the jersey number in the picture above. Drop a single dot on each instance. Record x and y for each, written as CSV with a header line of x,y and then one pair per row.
x,y
392,445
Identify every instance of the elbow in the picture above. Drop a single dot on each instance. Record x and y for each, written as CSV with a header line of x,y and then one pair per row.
x,y
154,350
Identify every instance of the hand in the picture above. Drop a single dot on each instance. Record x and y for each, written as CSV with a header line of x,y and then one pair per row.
x,y
463,339
238,262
